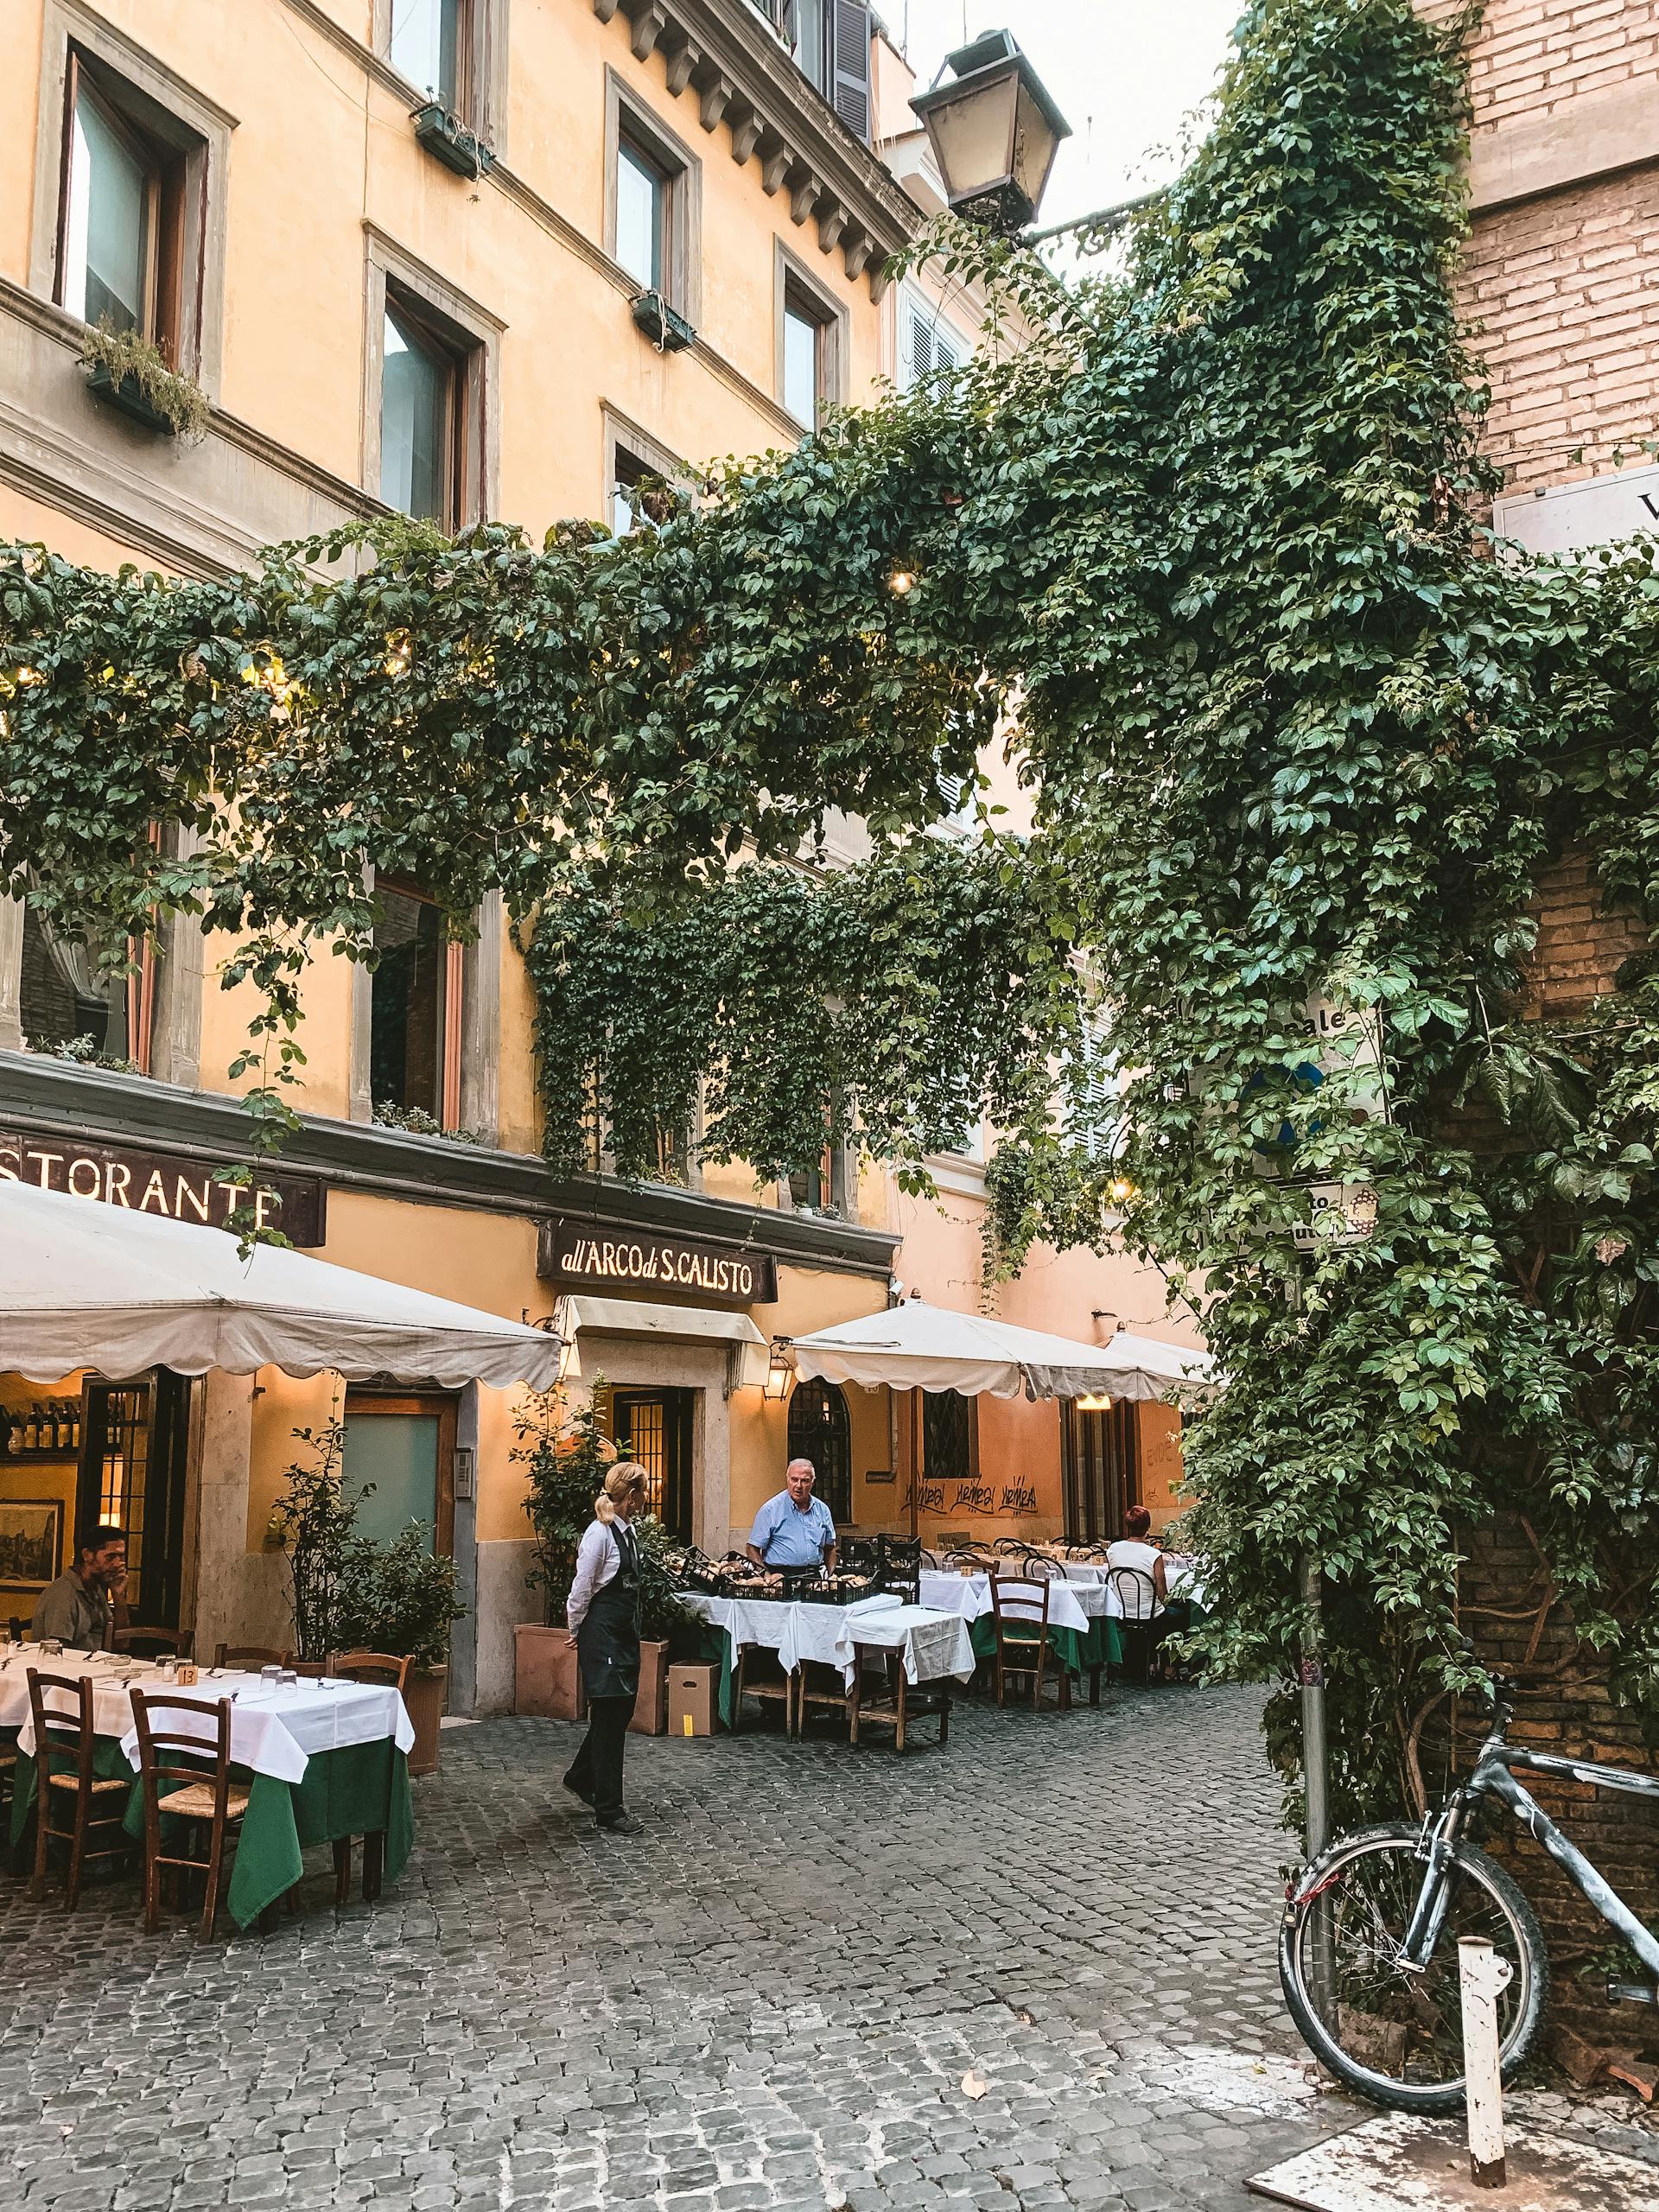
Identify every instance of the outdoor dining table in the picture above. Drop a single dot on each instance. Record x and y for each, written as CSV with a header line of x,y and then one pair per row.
x,y
931,1644
1082,1616
324,1759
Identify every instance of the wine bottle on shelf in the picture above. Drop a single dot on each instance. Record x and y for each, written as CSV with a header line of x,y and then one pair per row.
x,y
63,1424
32,1429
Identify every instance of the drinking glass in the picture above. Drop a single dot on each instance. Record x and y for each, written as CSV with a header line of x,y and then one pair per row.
x,y
270,1676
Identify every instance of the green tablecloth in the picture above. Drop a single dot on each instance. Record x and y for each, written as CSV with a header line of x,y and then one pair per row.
x,y
356,1791
1079,1651
718,1649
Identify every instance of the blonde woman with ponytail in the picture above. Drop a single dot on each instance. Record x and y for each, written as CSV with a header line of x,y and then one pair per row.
x,y
603,1615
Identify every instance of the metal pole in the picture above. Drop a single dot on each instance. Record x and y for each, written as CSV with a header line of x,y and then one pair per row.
x,y
1316,1763
1482,1978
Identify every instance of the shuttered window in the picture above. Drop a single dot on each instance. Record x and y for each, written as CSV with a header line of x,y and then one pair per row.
x,y
927,347
851,95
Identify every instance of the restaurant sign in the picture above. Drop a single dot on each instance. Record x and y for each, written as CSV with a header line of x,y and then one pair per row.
x,y
177,1186
609,1256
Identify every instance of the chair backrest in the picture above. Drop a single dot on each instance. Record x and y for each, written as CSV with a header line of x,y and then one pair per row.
x,y
933,1561
371,1667
61,1707
189,1748
1005,1544
1037,1566
154,1643
1136,1591
1019,1599
250,1656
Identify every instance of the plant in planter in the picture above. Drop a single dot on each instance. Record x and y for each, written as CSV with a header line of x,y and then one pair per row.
x,y
131,371
328,1562
402,1602
667,1630
565,1455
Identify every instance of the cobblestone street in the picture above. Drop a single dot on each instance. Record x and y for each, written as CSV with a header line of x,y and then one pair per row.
x,y
768,1996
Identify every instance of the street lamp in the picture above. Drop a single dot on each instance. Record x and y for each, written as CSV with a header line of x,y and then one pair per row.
x,y
994,132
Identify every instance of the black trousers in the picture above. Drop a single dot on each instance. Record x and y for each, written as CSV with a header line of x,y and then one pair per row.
x,y
596,1770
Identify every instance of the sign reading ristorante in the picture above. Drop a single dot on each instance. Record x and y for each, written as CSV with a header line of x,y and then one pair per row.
x,y
613,1255
179,1187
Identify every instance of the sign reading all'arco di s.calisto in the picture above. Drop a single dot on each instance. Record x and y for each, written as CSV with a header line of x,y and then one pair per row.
x,y
615,1256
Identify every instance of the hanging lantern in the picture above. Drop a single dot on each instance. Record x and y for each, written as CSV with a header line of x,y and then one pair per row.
x,y
994,132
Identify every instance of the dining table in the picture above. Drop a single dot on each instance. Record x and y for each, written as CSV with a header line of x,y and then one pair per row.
x,y
1083,1614
323,1759
931,1644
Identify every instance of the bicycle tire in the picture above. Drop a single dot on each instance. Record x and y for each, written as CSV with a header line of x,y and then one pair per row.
x,y
1430,2100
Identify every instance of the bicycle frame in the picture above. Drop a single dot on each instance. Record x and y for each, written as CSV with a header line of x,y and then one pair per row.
x,y
1492,1778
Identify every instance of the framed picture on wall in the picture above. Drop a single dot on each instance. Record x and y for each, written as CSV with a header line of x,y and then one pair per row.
x,y
31,1543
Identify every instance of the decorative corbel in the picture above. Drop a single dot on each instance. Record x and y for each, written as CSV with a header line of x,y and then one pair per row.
x,y
832,221
680,66
605,9
745,136
648,27
855,254
715,94
805,197
774,167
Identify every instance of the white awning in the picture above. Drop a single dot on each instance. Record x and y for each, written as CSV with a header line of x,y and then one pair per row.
x,y
629,1317
83,1284
921,1347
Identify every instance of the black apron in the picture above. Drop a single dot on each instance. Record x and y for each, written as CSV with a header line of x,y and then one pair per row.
x,y
607,1643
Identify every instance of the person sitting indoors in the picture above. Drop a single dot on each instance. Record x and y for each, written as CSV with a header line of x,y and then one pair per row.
x,y
83,1608
794,1529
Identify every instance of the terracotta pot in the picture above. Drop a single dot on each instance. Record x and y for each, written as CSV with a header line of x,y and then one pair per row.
x,y
546,1678
650,1706
423,1695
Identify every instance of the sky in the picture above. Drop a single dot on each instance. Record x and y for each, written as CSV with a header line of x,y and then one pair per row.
x,y
1125,74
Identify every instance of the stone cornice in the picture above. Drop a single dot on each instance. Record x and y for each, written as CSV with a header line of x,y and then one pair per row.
x,y
744,83
55,1096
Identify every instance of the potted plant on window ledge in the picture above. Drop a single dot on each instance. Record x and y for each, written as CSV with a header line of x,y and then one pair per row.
x,y
129,371
450,141
667,329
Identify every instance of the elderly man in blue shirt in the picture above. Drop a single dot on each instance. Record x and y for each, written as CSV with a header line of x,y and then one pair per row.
x,y
794,1529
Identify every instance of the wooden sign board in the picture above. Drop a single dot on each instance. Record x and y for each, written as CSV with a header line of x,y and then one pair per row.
x,y
180,1187
615,1256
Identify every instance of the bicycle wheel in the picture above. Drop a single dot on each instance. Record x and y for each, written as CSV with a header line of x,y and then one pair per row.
x,y
1393,2036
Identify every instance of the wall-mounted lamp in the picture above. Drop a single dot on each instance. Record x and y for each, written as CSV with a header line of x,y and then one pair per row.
x,y
1096,1402
779,1372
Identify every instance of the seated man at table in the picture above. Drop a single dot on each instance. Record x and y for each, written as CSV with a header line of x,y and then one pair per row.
x,y
80,1608
794,1529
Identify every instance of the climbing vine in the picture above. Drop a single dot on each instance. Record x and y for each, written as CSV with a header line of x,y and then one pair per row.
x,y
1298,743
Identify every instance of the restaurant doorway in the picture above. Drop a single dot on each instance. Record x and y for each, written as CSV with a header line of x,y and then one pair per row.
x,y
134,1450
399,1458
1101,1465
654,1427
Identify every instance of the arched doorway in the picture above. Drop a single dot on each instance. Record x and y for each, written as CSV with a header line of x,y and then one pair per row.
x,y
820,1430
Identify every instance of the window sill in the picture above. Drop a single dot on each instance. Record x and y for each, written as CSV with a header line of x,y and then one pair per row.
x,y
127,398
448,140
667,329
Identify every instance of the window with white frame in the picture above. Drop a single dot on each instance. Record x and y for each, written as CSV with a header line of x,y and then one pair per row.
x,y
929,348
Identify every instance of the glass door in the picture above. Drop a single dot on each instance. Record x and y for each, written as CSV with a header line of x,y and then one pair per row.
x,y
134,1439
399,1461
654,1427
1102,1469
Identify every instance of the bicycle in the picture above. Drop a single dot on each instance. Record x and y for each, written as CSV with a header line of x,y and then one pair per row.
x,y
1367,1947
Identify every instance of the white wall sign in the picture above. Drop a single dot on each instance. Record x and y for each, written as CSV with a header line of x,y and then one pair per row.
x,y
1339,1213
1566,518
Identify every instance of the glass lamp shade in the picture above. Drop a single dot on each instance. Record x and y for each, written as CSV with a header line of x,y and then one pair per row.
x,y
993,130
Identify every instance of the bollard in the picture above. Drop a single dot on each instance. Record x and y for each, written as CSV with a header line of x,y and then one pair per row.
x,y
1482,1978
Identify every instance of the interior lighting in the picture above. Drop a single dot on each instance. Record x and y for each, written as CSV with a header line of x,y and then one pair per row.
x,y
1120,1190
1096,1402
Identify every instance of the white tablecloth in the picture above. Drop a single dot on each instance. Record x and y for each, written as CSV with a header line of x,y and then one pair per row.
x,y
933,1643
273,1732
1071,1605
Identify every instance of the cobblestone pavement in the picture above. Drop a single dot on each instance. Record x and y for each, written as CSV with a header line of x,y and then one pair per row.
x,y
769,1996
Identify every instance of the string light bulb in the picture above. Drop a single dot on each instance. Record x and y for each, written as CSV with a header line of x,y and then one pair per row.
x,y
901,584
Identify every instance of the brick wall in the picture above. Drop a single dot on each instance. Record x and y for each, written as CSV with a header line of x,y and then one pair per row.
x,y
1581,946
1532,56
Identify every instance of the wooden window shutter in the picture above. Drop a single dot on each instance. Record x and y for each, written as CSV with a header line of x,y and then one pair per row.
x,y
921,349
852,96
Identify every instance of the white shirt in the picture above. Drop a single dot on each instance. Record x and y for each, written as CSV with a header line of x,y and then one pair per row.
x,y
1129,1551
597,1562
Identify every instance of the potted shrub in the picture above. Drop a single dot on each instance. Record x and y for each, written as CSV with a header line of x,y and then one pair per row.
x,y
314,1521
661,1614
404,1605
564,1456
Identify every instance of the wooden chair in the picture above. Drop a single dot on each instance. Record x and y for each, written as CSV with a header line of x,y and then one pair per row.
x,y
371,1667
65,1782
825,1689
8,1782
249,1657
1140,1625
143,1642
760,1674
889,1699
1020,1610
179,1788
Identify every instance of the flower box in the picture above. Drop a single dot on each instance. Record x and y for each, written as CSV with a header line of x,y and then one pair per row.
x,y
128,398
448,139
667,329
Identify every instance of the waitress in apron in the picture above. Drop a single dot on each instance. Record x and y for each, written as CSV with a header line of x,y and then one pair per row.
x,y
603,1614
